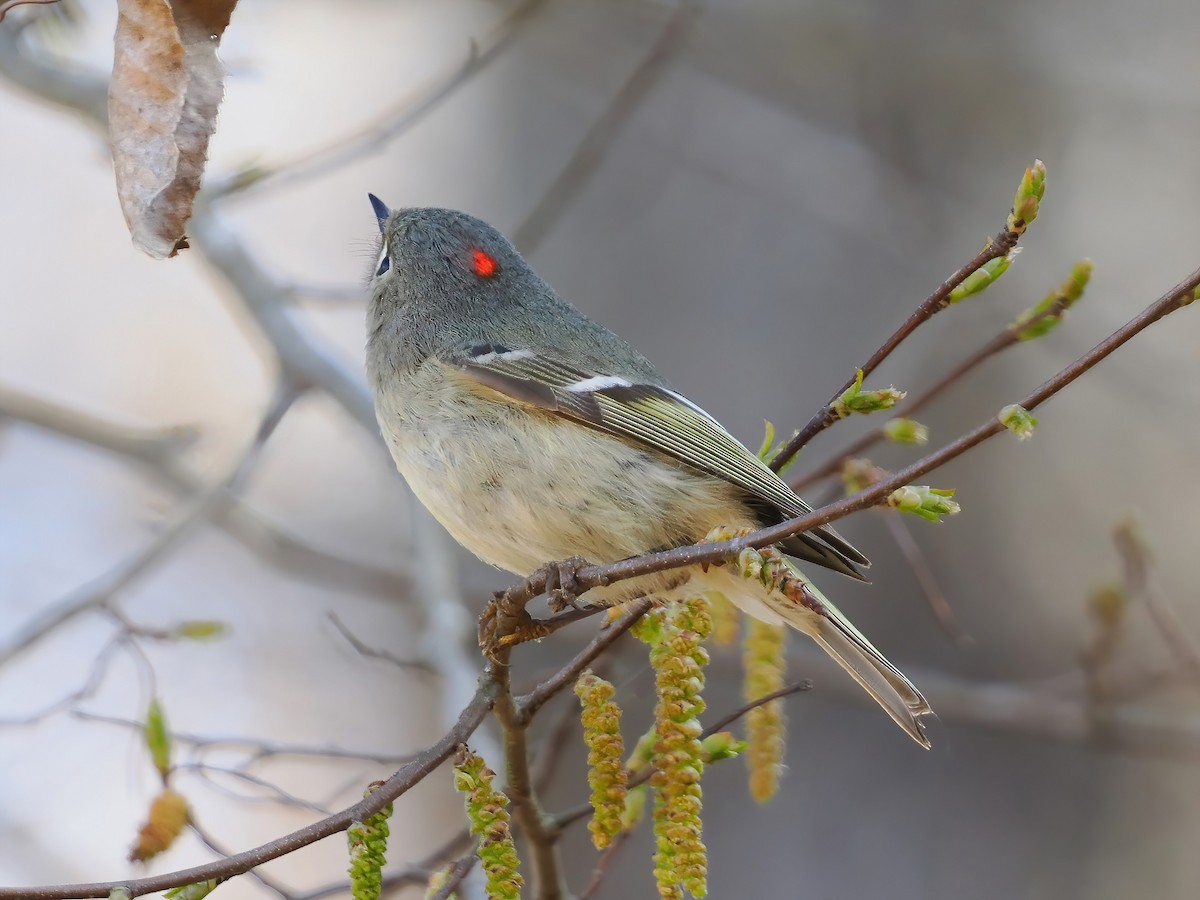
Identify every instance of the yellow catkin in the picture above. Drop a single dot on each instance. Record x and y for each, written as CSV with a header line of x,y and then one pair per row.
x,y
367,842
601,717
167,818
487,810
763,660
680,859
726,619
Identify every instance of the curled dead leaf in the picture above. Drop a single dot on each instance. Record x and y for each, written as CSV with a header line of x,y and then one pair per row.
x,y
162,103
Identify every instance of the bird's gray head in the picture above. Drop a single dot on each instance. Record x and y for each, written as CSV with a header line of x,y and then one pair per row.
x,y
443,256
445,279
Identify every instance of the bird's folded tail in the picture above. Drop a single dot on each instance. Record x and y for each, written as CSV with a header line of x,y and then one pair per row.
x,y
866,665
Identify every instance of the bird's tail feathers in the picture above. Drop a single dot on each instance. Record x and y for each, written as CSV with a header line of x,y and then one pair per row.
x,y
853,652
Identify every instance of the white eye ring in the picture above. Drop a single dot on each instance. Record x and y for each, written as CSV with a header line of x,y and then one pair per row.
x,y
384,262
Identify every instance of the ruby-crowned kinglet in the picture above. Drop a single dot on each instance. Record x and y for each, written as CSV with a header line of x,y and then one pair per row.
x,y
533,434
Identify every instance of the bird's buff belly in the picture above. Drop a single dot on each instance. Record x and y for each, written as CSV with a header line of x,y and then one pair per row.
x,y
519,490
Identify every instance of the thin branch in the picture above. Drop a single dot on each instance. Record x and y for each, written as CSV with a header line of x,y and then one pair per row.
x,y
417,873
530,703
1002,341
604,863
91,684
158,450
604,131
458,872
403,780
370,652
540,840
393,123
797,687
943,614
278,795
202,506
260,749
212,844
999,246
1140,580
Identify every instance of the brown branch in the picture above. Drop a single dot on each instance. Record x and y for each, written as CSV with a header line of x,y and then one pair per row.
x,y
1009,336
541,842
590,576
404,779
567,675
1002,341
997,247
787,691
604,863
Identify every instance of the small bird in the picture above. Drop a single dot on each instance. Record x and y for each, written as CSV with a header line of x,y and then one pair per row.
x,y
534,434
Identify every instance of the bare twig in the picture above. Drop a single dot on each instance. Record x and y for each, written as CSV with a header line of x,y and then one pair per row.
x,y
417,873
278,795
604,864
404,779
159,452
1140,580
198,509
393,123
91,683
212,844
259,749
567,675
938,604
1005,339
370,652
540,840
999,246
604,131
727,720
458,872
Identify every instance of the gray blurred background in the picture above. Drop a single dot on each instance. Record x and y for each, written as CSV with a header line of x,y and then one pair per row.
x,y
766,190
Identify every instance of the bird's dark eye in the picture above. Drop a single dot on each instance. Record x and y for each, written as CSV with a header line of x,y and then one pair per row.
x,y
384,262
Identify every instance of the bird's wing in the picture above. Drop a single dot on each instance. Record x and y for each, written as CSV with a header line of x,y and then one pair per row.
x,y
655,417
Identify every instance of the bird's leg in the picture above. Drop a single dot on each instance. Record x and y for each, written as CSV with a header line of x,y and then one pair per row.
x,y
562,589
505,622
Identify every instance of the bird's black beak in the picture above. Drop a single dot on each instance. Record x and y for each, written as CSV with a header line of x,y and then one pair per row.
x,y
381,210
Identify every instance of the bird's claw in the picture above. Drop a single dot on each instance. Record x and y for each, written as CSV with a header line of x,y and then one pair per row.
x,y
562,588
505,623
519,628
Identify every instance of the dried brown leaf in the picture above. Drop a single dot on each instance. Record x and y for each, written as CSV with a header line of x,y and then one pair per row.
x,y
162,104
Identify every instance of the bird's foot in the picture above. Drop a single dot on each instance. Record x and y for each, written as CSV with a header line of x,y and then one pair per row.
x,y
501,627
562,588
